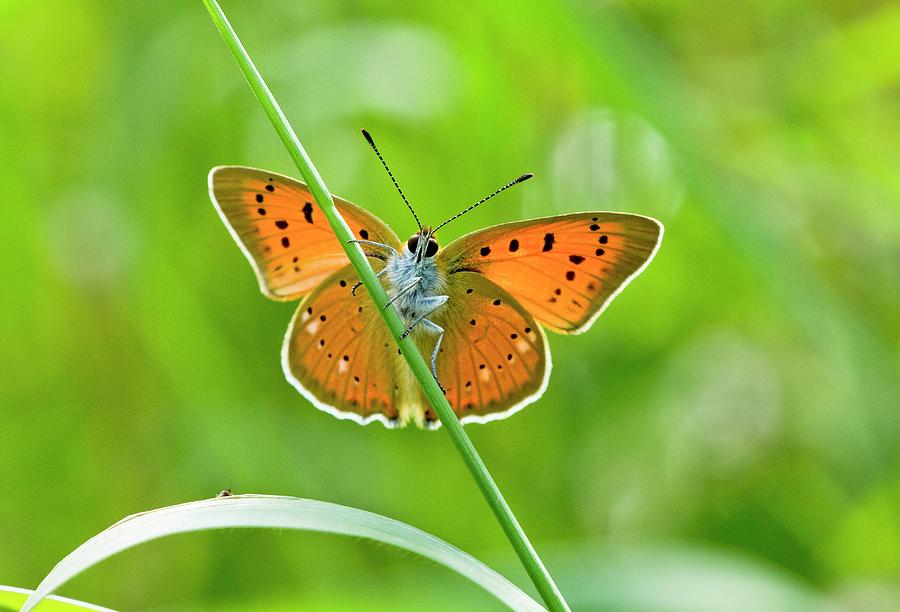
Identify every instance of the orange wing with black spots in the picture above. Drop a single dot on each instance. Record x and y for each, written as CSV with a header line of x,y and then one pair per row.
x,y
339,354
494,358
284,235
565,269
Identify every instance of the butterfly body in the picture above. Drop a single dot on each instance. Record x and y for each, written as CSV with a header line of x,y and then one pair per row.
x,y
413,279
477,307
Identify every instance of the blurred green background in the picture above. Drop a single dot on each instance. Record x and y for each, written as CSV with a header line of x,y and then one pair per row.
x,y
726,437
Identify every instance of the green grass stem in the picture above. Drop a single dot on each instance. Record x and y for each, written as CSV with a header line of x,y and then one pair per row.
x,y
422,372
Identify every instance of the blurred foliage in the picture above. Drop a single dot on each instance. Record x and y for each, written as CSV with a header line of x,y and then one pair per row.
x,y
728,426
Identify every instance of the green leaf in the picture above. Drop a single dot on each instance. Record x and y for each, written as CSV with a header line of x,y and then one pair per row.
x,y
280,513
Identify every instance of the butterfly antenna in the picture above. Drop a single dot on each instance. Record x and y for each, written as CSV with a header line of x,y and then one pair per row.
x,y
371,142
521,179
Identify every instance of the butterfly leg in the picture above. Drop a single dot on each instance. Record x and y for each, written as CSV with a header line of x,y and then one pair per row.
x,y
359,283
436,329
437,345
429,305
377,244
415,282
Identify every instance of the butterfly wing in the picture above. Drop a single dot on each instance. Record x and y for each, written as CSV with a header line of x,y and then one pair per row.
x,y
494,357
283,234
339,354
565,269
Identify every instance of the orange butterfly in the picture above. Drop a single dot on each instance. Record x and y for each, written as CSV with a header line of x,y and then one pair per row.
x,y
476,307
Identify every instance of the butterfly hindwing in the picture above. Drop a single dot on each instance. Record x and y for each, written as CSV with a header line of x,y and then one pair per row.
x,y
564,270
284,235
340,355
494,357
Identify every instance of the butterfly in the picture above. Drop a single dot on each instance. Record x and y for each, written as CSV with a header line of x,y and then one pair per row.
x,y
478,307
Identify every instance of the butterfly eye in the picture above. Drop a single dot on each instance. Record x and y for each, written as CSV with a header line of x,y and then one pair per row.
x,y
432,248
412,243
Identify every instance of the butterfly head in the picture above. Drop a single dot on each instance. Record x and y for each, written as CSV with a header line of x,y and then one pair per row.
x,y
422,245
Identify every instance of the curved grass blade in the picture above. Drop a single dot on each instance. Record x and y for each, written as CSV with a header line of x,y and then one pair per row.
x,y
282,513
12,598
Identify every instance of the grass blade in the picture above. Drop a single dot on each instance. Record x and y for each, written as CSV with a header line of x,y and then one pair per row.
x,y
528,556
282,513
12,598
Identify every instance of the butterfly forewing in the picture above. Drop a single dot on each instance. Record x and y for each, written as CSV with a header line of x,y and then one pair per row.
x,y
340,355
494,357
282,232
565,269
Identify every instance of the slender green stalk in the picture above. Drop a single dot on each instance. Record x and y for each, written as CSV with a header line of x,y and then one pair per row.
x,y
528,556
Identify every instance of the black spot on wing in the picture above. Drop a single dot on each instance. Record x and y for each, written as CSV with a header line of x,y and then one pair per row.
x,y
549,239
576,259
307,212
485,251
513,245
